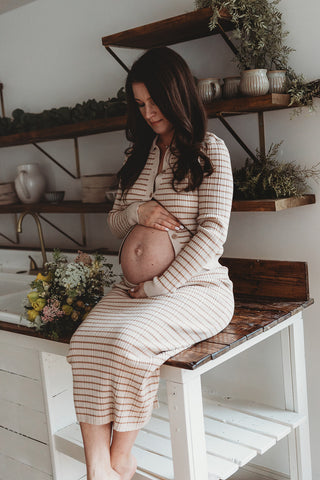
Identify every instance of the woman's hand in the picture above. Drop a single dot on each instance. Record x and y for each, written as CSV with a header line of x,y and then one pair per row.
x,y
151,214
137,292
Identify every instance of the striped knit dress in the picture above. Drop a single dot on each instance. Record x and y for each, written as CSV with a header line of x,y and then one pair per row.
x,y
117,351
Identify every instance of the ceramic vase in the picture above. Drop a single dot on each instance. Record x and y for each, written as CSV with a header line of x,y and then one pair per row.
x,y
254,82
231,87
277,81
209,89
30,184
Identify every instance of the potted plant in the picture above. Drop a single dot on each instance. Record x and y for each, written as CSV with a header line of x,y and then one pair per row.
x,y
260,40
267,177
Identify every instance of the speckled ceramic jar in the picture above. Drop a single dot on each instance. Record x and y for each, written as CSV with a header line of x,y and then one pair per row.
x,y
254,82
277,81
231,87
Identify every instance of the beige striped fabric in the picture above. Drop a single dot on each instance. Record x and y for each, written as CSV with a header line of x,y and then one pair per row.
x,y
117,352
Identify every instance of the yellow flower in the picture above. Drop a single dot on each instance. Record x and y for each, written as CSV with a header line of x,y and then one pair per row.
x,y
67,309
69,300
33,296
32,315
75,315
39,304
46,278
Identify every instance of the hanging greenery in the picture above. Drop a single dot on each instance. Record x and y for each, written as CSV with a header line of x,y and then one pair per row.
x,y
267,177
89,110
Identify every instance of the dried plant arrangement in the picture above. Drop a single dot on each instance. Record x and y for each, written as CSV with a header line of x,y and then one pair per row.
x,y
267,177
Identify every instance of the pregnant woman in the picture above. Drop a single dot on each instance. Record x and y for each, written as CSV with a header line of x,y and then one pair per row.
x,y
172,210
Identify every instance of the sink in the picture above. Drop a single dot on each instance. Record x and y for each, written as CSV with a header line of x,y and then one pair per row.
x,y
13,292
11,283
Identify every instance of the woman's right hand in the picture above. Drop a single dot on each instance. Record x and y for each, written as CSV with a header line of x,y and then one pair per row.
x,y
152,214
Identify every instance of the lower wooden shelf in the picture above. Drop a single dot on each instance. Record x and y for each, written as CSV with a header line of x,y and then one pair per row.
x,y
236,432
264,205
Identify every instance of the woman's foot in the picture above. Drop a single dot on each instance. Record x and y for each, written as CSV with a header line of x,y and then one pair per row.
x,y
125,467
104,474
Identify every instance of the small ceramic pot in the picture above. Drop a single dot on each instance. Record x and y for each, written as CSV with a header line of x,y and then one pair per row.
x,y
254,82
231,87
277,81
30,184
209,89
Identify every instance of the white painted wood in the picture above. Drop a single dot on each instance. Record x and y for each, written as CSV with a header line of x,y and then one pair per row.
x,y
220,468
249,422
23,361
294,371
25,450
18,389
57,387
267,412
39,344
230,451
24,420
261,443
154,464
187,429
11,469
154,443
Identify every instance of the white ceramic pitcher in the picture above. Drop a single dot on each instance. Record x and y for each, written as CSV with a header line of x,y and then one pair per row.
x,y
30,184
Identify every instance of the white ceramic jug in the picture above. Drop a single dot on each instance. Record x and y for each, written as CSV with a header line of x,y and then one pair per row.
x,y
30,184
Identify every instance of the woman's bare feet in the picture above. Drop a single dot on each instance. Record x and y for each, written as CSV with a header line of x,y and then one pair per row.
x,y
125,467
104,474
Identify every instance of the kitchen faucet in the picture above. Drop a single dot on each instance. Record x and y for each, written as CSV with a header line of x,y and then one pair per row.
x,y
33,268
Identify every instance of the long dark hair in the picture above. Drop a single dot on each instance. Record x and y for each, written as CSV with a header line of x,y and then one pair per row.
x,y
171,85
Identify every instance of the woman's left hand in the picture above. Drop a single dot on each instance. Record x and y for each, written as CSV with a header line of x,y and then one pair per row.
x,y
137,292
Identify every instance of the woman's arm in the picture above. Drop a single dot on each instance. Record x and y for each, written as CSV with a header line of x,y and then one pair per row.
x,y
206,246
122,217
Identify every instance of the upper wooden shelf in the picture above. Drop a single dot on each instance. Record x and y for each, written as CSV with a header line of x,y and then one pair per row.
x,y
73,130
265,205
181,28
230,106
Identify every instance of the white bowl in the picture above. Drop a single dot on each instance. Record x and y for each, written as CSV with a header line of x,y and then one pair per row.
x,y
54,197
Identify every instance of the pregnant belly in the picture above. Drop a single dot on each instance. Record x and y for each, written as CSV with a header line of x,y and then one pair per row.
x,y
146,253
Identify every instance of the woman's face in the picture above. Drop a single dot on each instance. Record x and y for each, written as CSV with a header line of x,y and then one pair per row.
x,y
151,112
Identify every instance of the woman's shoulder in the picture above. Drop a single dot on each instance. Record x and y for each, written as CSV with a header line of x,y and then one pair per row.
x,y
211,139
213,145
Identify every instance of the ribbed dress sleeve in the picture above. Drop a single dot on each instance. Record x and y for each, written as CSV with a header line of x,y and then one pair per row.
x,y
206,246
122,217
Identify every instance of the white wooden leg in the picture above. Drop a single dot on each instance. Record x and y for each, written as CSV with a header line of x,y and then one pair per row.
x,y
187,429
293,359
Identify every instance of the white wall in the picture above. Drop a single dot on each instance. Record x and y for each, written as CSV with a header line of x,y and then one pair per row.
x,y
51,55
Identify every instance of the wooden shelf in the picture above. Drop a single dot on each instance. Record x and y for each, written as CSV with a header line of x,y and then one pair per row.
x,y
270,205
272,101
242,105
181,28
265,205
63,207
61,132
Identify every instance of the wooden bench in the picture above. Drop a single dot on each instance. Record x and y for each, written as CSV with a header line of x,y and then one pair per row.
x,y
194,437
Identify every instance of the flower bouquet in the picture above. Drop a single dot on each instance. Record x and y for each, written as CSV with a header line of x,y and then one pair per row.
x,y
61,299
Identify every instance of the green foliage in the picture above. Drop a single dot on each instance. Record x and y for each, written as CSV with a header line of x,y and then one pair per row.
x,y
81,112
259,31
260,36
267,177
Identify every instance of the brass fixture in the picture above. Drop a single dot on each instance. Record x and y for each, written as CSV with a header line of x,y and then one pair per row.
x,y
33,268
